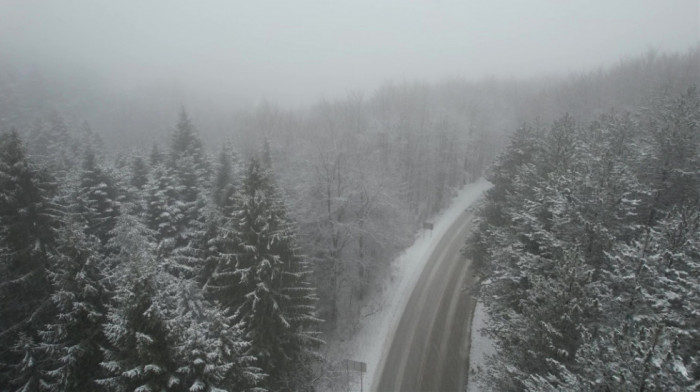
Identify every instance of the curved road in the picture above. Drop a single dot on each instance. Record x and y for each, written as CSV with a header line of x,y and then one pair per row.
x,y
430,347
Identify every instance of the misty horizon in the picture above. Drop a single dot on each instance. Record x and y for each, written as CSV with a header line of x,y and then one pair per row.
x,y
296,54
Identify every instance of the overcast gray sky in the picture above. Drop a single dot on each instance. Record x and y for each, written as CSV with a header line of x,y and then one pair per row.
x,y
297,51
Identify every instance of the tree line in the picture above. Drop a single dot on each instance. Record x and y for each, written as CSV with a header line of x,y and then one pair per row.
x,y
166,272
590,246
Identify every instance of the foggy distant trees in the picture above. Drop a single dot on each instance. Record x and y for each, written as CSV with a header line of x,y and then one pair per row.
x,y
362,175
363,172
591,242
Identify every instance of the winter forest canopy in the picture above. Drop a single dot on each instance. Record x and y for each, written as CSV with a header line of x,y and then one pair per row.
x,y
590,244
154,242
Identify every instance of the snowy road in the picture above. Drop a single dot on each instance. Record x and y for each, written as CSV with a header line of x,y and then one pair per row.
x,y
430,347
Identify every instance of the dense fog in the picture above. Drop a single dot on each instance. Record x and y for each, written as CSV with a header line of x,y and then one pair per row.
x,y
212,196
296,53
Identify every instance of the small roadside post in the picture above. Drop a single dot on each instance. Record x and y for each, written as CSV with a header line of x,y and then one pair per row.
x,y
428,226
354,366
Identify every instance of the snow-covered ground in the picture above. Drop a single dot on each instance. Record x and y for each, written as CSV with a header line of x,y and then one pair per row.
x,y
383,314
481,346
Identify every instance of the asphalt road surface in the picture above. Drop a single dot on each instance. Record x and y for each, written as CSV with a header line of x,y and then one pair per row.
x,y
429,351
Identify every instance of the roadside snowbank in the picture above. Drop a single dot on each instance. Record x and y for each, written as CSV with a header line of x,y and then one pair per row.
x,y
383,314
481,346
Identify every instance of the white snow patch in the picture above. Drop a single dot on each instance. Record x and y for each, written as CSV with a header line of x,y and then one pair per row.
x,y
481,346
384,313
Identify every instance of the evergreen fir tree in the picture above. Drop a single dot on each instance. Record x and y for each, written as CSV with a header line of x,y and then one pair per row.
x,y
187,259
219,275
28,374
89,140
73,340
52,142
220,240
27,224
225,181
266,155
190,183
185,141
277,303
141,351
190,174
139,173
155,157
164,211
210,351
98,198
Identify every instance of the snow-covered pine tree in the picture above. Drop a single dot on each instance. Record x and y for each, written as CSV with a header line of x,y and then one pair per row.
x,y
266,155
277,305
218,239
72,341
155,156
51,142
524,144
209,350
98,198
220,278
226,179
185,141
27,224
188,257
90,140
28,374
164,211
141,352
191,181
190,174
188,161
139,173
